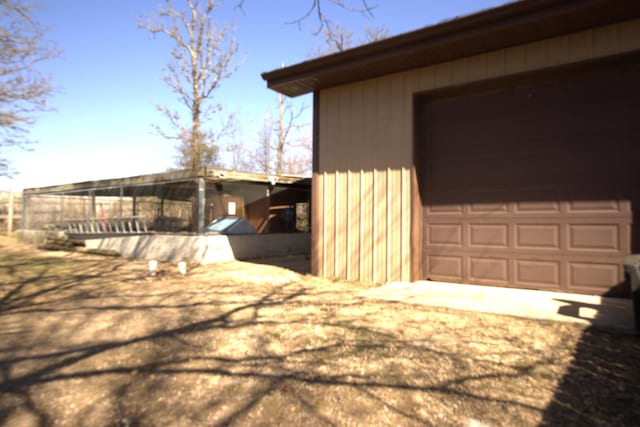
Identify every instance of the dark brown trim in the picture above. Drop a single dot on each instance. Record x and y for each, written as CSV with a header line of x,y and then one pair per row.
x,y
316,215
515,23
416,198
316,133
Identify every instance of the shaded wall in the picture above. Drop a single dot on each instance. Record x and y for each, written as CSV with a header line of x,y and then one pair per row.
x,y
277,212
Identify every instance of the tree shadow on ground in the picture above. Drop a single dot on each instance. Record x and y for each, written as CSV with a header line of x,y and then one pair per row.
x,y
300,263
601,386
99,343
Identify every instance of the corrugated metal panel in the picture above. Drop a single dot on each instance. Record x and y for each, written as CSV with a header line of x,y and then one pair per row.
x,y
353,236
379,226
342,222
364,188
366,226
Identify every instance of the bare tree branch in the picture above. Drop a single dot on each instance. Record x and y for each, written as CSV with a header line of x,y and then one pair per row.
x,y
23,90
337,38
374,34
201,58
316,8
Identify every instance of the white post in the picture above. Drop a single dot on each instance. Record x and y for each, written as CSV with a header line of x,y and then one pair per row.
x,y
201,200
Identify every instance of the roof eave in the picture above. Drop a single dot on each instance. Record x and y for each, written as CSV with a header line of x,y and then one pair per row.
x,y
511,24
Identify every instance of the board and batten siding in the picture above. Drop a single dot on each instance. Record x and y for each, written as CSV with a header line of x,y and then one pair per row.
x,y
363,174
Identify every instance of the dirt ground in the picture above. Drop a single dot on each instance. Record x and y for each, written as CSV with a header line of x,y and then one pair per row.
x,y
94,341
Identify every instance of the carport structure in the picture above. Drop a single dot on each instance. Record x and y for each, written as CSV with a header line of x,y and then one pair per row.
x,y
498,148
182,201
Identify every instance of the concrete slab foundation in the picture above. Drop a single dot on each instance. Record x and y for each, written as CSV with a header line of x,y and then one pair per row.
x,y
611,313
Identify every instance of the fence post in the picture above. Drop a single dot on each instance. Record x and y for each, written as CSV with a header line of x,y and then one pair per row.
x,y
10,214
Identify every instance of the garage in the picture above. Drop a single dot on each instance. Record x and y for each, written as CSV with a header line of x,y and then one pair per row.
x,y
529,182
499,148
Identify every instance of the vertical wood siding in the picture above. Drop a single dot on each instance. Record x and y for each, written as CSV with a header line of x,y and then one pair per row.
x,y
363,186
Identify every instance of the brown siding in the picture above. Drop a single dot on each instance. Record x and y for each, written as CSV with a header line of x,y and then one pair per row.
x,y
362,188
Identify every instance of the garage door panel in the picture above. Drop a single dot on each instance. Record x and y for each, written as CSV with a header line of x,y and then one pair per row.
x,y
533,184
594,206
542,207
594,237
592,276
537,273
443,267
492,168
536,134
445,234
488,235
537,236
488,207
489,270
444,209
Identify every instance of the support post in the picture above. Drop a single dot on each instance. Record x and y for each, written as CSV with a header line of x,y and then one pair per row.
x,y
92,205
267,224
121,213
201,200
134,209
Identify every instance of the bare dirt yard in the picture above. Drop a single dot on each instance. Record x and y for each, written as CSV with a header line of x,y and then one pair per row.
x,y
94,341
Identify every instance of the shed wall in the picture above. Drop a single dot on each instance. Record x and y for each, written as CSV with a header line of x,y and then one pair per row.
x,y
362,190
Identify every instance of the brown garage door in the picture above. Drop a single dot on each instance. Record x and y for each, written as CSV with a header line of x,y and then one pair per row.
x,y
533,184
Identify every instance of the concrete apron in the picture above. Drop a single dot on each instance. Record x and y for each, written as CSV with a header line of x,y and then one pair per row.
x,y
610,313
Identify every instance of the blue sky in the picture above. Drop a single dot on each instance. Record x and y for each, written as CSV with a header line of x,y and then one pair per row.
x,y
110,78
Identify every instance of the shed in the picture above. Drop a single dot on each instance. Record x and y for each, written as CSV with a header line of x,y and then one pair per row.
x,y
500,148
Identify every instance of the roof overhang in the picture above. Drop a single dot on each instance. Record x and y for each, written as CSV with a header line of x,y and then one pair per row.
x,y
508,25
143,184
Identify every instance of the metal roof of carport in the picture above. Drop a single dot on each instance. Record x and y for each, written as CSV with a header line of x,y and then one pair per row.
x,y
508,25
173,181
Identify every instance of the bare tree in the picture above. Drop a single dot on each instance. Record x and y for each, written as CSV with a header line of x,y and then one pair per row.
x,y
280,149
299,157
201,58
337,38
249,157
317,9
262,156
362,6
23,90
288,118
239,159
374,34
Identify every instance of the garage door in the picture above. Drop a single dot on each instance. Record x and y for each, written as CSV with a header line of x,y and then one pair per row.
x,y
533,183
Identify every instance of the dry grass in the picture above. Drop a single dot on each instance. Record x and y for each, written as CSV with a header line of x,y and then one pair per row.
x,y
93,341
